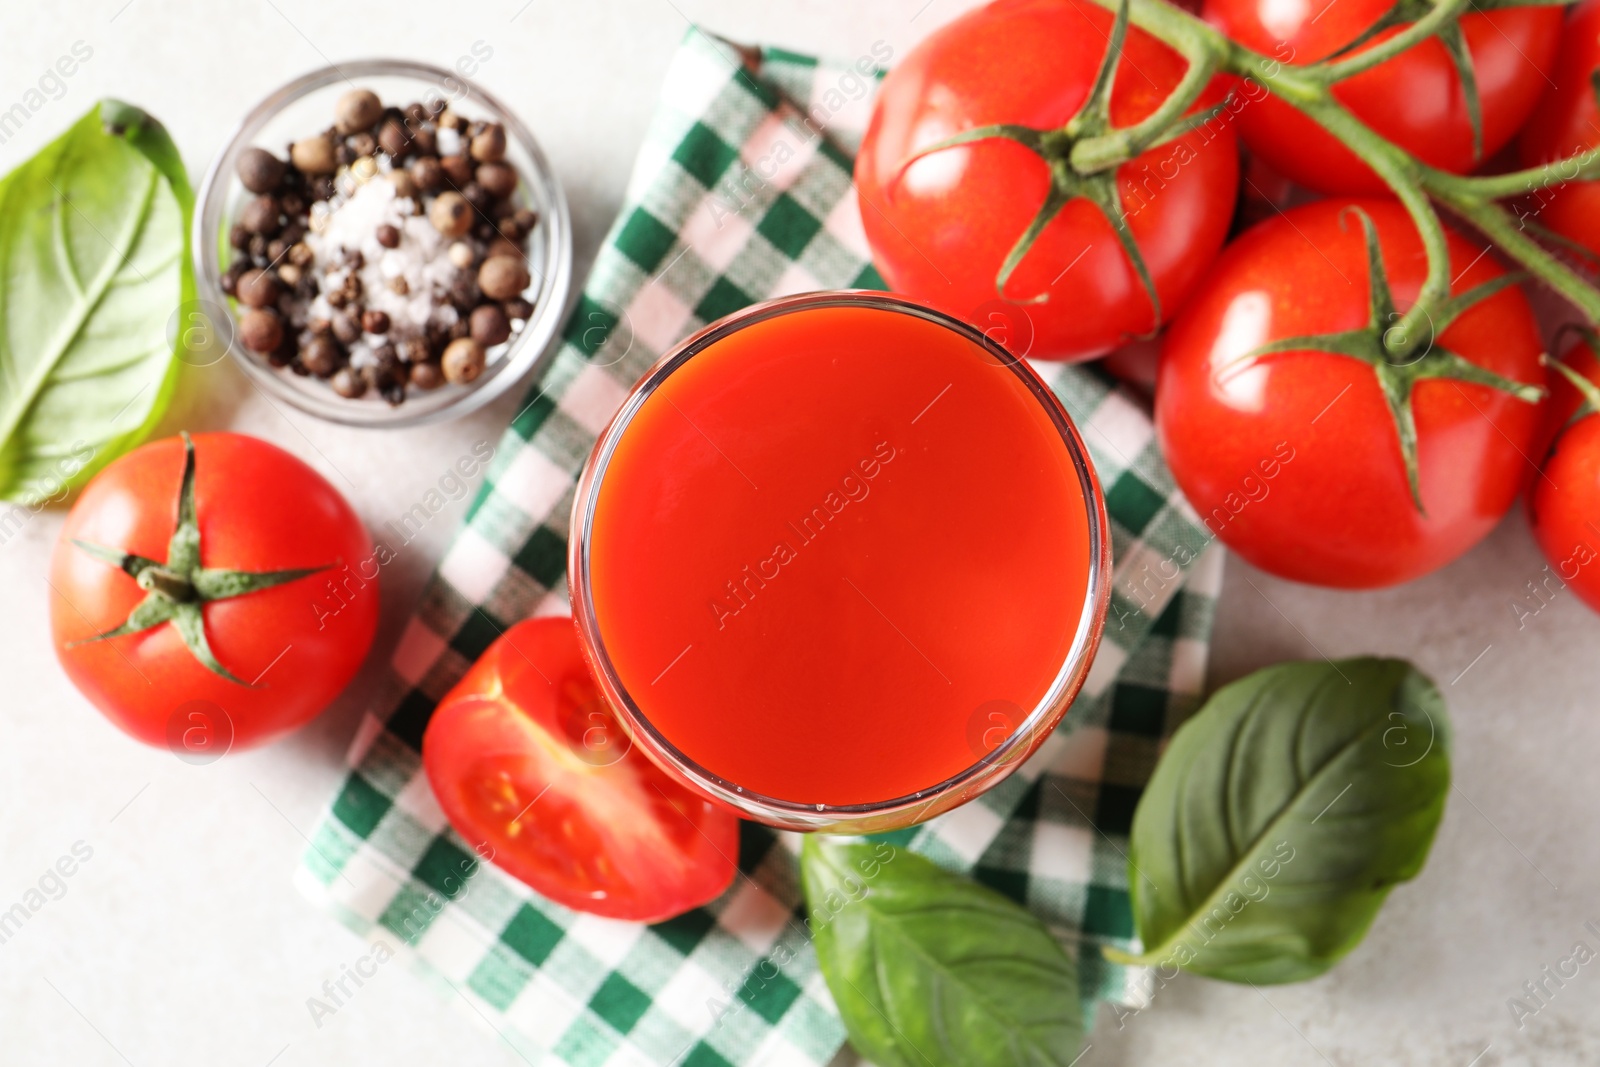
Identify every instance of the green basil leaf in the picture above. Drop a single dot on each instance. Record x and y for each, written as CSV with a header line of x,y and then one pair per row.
x,y
93,267
1281,815
930,969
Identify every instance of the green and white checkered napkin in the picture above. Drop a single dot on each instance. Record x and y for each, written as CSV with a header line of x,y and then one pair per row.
x,y
739,195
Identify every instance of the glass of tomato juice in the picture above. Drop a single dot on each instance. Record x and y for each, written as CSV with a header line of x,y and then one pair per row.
x,y
840,562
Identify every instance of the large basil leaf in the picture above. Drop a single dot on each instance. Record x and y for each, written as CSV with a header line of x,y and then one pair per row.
x,y
1281,815
930,969
93,268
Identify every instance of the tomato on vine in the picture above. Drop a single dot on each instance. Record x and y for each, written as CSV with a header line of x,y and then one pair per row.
x,y
1452,101
1004,161
1566,122
1564,501
1317,443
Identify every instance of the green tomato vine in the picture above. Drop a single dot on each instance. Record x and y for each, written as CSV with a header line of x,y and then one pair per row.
x,y
1084,156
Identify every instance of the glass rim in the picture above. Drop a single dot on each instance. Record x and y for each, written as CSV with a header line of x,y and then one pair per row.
x,y
967,783
526,350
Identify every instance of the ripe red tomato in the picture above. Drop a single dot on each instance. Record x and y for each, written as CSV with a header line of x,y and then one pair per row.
x,y
942,226
1293,458
1566,122
527,759
281,653
1414,99
1564,501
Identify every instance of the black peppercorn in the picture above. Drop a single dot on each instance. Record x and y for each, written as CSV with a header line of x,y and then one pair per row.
x,y
388,236
488,325
427,173
375,321
322,356
259,170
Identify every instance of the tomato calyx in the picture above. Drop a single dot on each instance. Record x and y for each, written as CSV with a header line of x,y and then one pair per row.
x,y
177,589
1400,362
1091,176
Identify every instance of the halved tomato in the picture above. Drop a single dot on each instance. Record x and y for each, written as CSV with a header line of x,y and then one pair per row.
x,y
533,769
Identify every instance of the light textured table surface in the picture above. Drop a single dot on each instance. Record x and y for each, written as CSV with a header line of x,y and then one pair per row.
x,y
181,941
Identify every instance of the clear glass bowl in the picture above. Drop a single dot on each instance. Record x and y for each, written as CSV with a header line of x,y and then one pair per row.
x,y
304,107
1033,728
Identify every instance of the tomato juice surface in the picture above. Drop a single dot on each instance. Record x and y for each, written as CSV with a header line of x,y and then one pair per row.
x,y
838,553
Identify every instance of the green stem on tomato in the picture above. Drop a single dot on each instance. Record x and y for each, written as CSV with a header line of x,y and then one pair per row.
x,y
1507,233
1309,90
1442,13
1094,154
1585,166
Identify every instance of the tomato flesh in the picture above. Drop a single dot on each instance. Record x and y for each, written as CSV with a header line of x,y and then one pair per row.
x,y
534,771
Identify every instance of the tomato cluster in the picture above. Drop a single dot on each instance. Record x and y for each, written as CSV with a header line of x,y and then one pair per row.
x,y
1316,428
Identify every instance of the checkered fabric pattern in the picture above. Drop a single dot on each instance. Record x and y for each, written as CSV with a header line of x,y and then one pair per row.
x,y
742,192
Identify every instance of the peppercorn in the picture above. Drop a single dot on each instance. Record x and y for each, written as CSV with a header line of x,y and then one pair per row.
x,y
260,215
257,246
276,249
393,139
239,237
293,204
450,120
502,277
363,144
462,361
478,197
314,155
457,170
300,254
230,280
502,247
463,296
347,383
416,114
527,219
322,356
461,255
488,325
345,328
289,275
425,142
388,236
519,309
259,170
450,214
374,321
485,231
257,289
260,330
323,188
336,298
399,286
427,173
498,178
357,110
393,388
490,145
426,375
